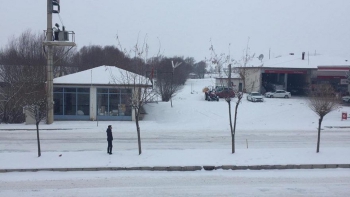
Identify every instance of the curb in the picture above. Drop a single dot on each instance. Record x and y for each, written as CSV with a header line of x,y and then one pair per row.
x,y
186,168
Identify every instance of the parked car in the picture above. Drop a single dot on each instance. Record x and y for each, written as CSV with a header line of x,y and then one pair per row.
x,y
346,99
225,92
211,96
278,94
255,97
297,90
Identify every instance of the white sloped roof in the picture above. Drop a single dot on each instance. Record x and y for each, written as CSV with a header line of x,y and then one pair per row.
x,y
102,75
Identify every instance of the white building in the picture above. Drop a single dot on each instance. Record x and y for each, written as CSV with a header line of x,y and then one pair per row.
x,y
293,72
101,93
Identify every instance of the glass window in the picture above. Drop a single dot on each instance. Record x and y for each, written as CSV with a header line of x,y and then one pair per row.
x,y
83,104
102,90
70,104
57,89
126,104
114,90
114,100
86,90
102,104
126,91
70,89
72,101
111,102
58,106
126,98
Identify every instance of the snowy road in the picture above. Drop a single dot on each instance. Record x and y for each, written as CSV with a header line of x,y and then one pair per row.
x,y
78,140
327,182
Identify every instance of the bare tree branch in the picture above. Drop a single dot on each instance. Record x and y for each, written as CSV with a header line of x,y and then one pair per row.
x,y
322,101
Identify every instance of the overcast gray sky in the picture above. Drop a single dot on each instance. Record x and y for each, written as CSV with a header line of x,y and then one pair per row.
x,y
185,27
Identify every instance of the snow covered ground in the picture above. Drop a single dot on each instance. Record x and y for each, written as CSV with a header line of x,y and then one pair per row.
x,y
293,183
192,132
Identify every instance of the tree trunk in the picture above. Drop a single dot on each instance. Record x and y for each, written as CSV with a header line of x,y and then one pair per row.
x,y
229,108
137,115
38,139
230,117
319,134
234,127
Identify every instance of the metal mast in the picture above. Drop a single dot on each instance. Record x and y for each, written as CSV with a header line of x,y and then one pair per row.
x,y
49,68
57,38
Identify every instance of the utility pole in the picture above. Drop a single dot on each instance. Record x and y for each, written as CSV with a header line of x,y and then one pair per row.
x,y
49,68
61,38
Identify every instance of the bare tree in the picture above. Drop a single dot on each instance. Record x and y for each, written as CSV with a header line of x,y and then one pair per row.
x,y
322,101
200,69
247,71
244,70
221,60
36,107
64,64
218,59
94,55
239,96
22,67
140,84
171,74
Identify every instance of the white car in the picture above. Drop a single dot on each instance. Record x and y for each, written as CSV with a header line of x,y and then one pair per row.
x,y
346,99
255,97
278,94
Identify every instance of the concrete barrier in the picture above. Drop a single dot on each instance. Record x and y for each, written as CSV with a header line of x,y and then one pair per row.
x,y
209,167
186,168
293,166
267,167
306,166
318,166
241,168
192,168
228,167
254,167
160,168
132,168
218,167
118,168
331,166
75,169
281,167
146,168
90,169
343,165
175,168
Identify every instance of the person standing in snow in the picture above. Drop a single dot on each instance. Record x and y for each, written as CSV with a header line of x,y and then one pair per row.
x,y
109,139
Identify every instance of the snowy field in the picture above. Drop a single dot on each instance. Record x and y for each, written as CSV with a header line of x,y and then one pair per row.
x,y
192,132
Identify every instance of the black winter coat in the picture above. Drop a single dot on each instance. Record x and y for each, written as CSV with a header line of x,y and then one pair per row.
x,y
109,135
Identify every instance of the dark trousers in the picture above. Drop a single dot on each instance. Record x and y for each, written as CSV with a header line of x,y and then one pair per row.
x,y
110,146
